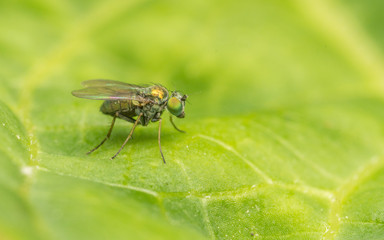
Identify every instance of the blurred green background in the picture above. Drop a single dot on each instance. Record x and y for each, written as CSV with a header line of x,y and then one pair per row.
x,y
284,121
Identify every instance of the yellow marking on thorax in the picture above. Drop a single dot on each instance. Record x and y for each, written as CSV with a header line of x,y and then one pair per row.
x,y
157,92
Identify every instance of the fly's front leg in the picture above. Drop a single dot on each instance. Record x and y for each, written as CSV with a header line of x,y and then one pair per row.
x,y
173,124
106,137
130,134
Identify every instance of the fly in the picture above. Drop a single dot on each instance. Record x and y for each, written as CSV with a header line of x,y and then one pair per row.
x,y
137,104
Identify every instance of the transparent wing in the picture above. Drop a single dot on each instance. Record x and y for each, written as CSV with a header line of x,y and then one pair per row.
x,y
111,90
111,83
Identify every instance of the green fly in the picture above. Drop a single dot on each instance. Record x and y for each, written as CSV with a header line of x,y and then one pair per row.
x,y
137,104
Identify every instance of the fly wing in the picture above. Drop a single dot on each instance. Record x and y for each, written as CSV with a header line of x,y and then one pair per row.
x,y
111,83
110,90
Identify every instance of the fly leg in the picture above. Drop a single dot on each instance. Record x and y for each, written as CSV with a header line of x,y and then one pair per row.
x,y
158,139
129,136
173,124
106,137
128,119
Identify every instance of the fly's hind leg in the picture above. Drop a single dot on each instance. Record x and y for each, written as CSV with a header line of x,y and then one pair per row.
x,y
106,137
128,119
159,141
130,135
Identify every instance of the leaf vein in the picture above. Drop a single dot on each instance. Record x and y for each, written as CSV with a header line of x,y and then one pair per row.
x,y
206,219
129,187
288,235
363,223
265,177
298,154
350,185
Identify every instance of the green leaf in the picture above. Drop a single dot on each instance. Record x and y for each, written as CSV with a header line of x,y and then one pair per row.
x,y
285,121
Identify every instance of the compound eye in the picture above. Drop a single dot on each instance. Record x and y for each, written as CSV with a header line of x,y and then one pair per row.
x,y
175,106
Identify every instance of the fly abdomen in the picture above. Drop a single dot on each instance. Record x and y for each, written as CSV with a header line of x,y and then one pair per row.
x,y
110,107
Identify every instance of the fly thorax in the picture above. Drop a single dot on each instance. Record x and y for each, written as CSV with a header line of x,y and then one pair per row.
x,y
159,94
153,111
138,111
